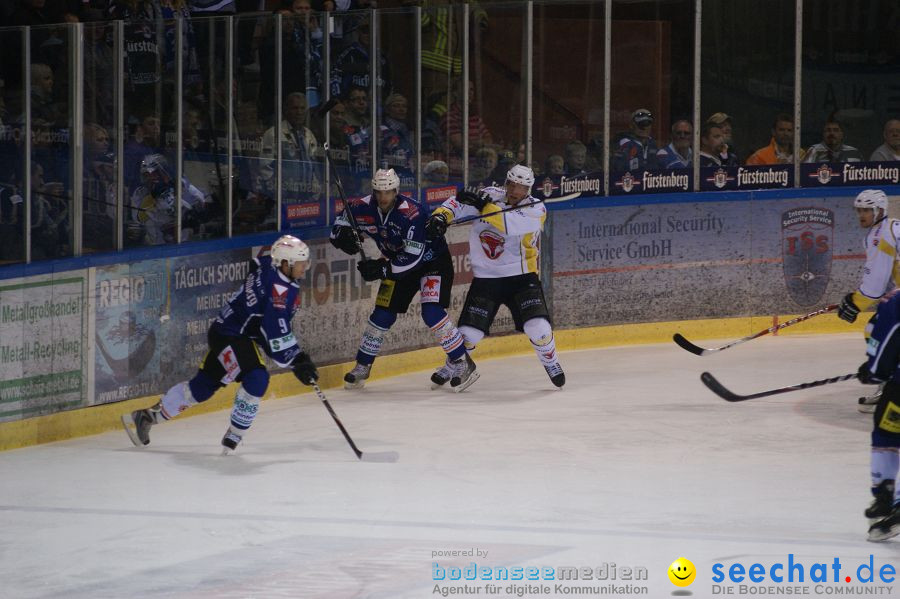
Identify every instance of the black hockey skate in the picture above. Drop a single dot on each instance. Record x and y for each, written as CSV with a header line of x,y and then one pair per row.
x,y
556,374
442,375
231,440
356,378
883,503
139,423
464,375
886,528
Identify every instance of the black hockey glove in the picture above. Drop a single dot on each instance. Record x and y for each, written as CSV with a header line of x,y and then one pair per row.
x,y
436,226
865,375
848,310
475,200
372,270
346,240
304,369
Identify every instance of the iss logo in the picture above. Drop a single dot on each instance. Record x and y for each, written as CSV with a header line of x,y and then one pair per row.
x,y
807,235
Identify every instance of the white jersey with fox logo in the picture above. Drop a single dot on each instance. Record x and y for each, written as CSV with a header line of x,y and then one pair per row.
x,y
882,271
502,244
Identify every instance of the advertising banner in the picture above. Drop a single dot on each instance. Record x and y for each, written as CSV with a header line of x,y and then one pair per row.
x,y
43,323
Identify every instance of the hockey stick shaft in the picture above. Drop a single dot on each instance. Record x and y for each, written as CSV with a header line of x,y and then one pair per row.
x,y
719,389
470,219
387,456
337,421
702,351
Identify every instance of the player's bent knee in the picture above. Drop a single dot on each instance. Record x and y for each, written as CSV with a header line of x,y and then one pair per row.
x,y
478,313
538,330
383,318
203,386
433,313
256,382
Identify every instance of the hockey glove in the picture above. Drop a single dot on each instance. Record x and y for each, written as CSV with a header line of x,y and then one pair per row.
x,y
436,226
304,369
848,310
475,200
372,270
865,375
346,240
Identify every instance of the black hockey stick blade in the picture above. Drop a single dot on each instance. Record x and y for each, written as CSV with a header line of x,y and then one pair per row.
x,y
719,389
685,344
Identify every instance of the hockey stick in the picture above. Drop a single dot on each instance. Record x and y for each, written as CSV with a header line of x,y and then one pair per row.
x,y
719,389
385,456
320,113
470,219
702,351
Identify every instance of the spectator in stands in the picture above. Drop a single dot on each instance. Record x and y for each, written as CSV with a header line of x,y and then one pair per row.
x,y
483,164
396,138
890,149
351,66
505,161
712,142
145,140
576,157
556,165
435,173
43,105
99,190
452,125
357,101
678,154
728,153
781,149
298,143
49,216
832,148
12,212
636,149
301,47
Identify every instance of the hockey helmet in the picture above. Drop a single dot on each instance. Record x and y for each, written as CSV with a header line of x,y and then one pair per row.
x,y
871,198
288,247
522,175
385,180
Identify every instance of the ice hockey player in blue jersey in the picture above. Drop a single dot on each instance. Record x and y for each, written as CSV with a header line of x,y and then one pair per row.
x,y
883,366
411,264
258,315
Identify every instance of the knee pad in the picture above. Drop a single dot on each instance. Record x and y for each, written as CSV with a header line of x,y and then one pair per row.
x,y
202,386
256,382
539,331
529,303
383,318
433,314
245,408
471,336
885,440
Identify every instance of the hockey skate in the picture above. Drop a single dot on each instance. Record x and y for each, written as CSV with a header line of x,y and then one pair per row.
x,y
231,440
138,423
556,374
883,503
868,403
464,374
356,378
442,375
886,528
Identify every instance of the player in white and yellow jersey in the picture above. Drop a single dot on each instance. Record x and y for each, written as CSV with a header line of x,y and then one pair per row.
x,y
881,272
504,247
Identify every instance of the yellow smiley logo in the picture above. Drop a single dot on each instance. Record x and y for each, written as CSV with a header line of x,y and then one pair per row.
x,y
682,572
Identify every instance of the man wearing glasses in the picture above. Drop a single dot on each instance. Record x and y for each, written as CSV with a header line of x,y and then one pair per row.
x,y
678,154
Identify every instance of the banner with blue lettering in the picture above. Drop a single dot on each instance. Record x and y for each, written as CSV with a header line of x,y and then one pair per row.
x,y
129,301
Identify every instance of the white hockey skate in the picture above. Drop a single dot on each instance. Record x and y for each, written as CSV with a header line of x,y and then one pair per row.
x,y
356,378
138,423
442,375
464,375
868,403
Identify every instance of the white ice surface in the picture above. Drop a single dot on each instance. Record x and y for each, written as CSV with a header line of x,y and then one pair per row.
x,y
633,462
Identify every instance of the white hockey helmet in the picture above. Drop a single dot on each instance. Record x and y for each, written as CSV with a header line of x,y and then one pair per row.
x,y
522,175
288,247
871,198
385,180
